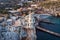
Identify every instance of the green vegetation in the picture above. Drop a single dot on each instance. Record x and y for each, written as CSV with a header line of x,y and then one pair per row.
x,y
25,4
16,7
3,11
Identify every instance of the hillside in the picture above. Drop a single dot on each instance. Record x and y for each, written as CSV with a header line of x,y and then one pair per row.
x,y
48,4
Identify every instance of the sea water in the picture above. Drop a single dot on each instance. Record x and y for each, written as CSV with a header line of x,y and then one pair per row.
x,y
55,27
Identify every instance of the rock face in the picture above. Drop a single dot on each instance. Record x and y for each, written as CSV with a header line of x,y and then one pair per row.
x,y
23,28
56,14
9,32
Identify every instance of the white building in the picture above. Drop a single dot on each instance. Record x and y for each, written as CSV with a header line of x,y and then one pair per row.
x,y
29,20
30,27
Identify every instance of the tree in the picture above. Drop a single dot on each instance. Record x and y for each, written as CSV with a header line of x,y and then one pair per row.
x,y
3,11
16,7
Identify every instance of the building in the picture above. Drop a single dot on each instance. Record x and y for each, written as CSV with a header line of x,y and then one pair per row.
x,y
29,27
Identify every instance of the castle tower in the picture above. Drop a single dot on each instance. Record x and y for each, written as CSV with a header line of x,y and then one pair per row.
x,y
29,27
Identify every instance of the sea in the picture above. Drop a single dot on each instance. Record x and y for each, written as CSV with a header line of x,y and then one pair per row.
x,y
55,27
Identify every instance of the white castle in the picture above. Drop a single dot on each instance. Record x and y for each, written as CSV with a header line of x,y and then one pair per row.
x,y
29,26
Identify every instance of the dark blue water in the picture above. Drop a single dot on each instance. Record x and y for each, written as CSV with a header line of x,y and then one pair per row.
x,y
53,27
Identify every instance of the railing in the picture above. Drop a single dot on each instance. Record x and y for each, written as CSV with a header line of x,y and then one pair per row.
x,y
48,31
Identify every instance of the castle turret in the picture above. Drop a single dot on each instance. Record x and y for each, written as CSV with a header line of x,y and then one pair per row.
x,y
29,27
